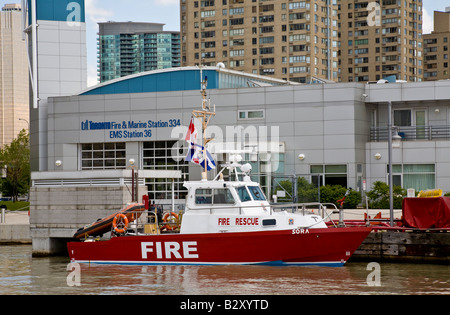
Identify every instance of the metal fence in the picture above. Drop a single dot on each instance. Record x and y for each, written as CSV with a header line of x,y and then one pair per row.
x,y
412,133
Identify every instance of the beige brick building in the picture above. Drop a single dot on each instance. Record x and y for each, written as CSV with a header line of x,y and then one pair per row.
x,y
290,40
436,48
303,40
14,82
381,39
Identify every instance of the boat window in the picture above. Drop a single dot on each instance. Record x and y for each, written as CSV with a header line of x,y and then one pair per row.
x,y
243,194
203,196
213,196
223,196
256,192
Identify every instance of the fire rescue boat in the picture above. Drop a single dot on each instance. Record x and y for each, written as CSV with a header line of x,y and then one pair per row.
x,y
224,222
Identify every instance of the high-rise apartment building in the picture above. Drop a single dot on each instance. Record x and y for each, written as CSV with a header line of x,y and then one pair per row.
x,y
381,39
436,48
291,40
303,40
14,82
126,48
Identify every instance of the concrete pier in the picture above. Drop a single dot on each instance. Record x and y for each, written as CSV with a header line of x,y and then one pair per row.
x,y
411,246
16,229
62,202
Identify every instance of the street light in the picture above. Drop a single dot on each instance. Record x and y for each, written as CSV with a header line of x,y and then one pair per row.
x,y
26,122
392,140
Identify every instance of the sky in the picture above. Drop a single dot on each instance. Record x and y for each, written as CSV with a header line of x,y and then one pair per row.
x,y
167,12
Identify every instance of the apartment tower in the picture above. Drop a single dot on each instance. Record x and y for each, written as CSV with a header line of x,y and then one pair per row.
x,y
125,48
14,114
381,39
291,40
436,48
336,40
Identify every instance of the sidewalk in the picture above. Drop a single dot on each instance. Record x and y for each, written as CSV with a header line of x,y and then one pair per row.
x,y
17,217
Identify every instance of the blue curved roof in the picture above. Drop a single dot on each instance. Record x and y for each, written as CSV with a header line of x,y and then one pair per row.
x,y
180,79
156,81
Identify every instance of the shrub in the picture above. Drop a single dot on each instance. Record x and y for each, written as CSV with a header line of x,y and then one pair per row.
x,y
379,196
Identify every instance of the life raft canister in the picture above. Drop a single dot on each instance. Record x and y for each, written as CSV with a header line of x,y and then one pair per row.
x,y
120,223
166,217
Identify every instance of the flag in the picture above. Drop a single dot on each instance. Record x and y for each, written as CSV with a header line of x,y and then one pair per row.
x,y
191,136
195,155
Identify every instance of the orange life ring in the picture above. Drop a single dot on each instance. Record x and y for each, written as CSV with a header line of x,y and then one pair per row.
x,y
170,227
120,223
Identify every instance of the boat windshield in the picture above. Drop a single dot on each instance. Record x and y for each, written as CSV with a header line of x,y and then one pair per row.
x,y
243,194
256,193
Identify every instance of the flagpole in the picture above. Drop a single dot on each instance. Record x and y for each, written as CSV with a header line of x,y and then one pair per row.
x,y
204,116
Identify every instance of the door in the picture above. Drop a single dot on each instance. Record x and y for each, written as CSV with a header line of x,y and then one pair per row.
x,y
420,123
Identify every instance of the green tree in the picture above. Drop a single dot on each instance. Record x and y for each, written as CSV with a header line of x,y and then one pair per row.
x,y
379,196
15,157
308,192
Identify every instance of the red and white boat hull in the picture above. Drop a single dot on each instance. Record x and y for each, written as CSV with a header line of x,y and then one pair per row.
x,y
327,246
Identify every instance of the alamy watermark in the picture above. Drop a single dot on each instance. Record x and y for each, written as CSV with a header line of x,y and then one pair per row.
x,y
374,277
74,277
374,17
259,142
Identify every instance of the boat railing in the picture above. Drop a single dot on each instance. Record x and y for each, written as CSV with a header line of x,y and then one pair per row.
x,y
325,210
150,223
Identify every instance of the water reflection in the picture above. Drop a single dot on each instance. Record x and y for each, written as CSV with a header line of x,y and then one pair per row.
x,y
21,274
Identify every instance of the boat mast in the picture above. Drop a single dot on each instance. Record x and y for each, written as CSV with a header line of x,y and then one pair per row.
x,y
204,116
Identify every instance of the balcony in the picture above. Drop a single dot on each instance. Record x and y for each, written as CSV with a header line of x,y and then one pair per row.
x,y
412,133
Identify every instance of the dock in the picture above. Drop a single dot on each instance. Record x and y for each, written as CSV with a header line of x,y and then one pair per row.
x,y
411,246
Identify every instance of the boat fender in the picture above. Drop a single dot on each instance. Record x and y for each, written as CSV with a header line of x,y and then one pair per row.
x,y
120,220
170,227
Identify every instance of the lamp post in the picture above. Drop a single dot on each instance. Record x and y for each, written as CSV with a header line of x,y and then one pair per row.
x,y
28,123
134,181
397,139
391,196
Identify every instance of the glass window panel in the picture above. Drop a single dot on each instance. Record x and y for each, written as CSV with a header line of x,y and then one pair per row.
x,y
255,114
419,181
256,193
109,163
110,154
98,146
98,154
223,196
98,163
243,194
109,146
335,168
402,117
316,169
418,168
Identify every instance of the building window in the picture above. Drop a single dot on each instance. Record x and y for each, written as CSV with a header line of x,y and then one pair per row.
x,y
100,156
417,176
165,155
329,175
251,114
